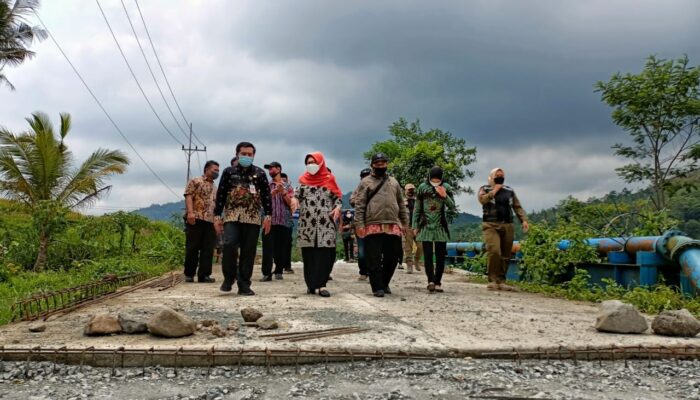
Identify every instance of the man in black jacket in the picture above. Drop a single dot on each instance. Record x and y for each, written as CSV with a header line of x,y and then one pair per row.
x,y
243,192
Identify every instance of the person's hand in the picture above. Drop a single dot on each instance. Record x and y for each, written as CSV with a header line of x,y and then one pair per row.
x,y
267,225
496,188
441,191
335,214
360,232
415,232
190,218
219,227
526,226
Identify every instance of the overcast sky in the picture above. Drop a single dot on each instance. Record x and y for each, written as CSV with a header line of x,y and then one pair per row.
x,y
514,78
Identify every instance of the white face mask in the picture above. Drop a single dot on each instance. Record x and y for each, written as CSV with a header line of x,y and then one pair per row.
x,y
312,168
435,184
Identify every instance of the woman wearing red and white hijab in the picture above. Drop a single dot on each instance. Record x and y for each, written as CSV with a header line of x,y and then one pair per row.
x,y
320,202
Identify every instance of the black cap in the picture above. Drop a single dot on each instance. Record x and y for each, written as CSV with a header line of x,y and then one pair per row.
x,y
379,157
365,172
273,164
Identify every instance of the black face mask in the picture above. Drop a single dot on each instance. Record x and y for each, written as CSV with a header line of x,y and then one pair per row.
x,y
411,193
499,180
380,171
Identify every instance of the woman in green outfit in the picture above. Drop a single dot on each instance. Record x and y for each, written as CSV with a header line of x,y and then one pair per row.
x,y
434,199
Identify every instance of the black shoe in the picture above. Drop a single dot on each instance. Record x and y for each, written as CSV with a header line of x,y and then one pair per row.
x,y
288,271
266,278
189,278
226,286
330,278
324,293
387,290
278,277
206,279
310,291
379,293
248,292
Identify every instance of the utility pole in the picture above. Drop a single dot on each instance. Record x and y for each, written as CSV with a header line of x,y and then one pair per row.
x,y
189,151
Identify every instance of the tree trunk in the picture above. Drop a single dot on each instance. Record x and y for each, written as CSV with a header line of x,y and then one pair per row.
x,y
43,250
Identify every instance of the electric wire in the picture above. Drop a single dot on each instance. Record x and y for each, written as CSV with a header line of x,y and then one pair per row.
x,y
133,75
160,65
153,75
104,110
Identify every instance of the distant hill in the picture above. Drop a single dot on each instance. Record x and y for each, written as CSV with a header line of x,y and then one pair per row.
x,y
163,212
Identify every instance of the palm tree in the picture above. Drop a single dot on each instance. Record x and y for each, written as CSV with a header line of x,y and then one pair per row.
x,y
36,167
16,34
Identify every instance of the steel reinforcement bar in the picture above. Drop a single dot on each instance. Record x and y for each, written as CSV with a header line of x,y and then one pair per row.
x,y
69,299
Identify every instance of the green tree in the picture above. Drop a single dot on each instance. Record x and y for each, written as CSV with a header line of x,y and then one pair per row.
x,y
413,152
36,169
660,109
16,35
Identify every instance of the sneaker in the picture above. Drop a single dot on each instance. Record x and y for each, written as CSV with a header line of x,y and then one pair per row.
x,y
378,293
278,277
288,271
248,292
189,278
439,289
226,286
206,279
266,278
400,266
387,290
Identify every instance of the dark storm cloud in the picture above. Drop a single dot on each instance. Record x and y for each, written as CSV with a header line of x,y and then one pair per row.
x,y
514,78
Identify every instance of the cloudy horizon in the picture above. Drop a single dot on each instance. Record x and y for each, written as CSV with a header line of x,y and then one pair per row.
x,y
514,79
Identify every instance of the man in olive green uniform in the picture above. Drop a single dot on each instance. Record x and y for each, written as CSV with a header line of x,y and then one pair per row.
x,y
499,201
410,256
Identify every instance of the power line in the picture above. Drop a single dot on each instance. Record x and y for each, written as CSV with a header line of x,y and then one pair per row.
x,y
160,65
133,75
143,53
109,117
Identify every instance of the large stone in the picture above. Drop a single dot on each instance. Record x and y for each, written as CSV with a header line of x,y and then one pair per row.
x,y
131,324
618,317
676,323
169,323
37,327
233,325
251,314
267,323
102,324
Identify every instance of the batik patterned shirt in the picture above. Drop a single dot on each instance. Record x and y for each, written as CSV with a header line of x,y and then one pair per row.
x,y
243,193
281,213
203,194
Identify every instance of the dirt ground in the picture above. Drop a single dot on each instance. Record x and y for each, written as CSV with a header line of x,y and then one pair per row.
x,y
466,318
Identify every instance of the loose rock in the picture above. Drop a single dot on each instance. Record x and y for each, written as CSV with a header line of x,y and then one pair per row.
x,y
233,326
267,323
131,324
209,323
170,323
102,324
218,331
676,323
251,314
37,327
618,317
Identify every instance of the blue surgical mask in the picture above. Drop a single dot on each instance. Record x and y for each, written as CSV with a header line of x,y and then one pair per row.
x,y
215,176
245,161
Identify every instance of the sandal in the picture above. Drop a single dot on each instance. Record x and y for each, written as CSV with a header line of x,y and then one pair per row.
x,y
431,287
324,293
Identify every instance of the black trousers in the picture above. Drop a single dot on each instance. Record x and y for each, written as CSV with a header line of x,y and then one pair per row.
x,y
243,237
348,244
382,254
361,257
317,265
434,272
200,240
276,247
